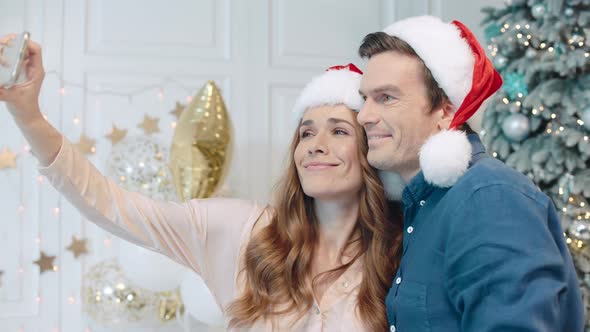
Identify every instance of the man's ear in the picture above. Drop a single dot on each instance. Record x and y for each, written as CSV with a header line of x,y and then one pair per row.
x,y
445,115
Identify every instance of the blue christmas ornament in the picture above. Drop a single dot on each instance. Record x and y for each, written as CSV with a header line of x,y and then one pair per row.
x,y
515,84
492,30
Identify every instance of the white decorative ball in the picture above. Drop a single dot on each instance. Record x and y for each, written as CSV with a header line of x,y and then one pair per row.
x,y
500,62
538,10
516,127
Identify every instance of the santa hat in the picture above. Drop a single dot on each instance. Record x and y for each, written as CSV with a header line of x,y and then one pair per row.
x,y
337,85
459,65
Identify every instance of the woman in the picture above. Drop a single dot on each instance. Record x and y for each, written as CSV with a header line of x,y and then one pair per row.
x,y
320,259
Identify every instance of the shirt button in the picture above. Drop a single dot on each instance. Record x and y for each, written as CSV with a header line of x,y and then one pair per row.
x,y
345,284
317,310
398,280
392,328
410,229
422,203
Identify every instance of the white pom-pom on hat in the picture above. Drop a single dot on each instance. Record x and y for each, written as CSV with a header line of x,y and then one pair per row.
x,y
445,157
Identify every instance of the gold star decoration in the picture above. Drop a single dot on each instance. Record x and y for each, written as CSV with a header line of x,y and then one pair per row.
x,y
86,145
45,263
177,111
116,135
149,125
78,247
7,159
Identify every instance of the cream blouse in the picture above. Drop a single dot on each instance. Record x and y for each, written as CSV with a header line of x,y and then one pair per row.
x,y
207,235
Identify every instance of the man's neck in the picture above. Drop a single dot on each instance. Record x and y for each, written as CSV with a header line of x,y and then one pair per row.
x,y
407,176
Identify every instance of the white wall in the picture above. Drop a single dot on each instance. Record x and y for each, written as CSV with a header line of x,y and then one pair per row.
x,y
119,60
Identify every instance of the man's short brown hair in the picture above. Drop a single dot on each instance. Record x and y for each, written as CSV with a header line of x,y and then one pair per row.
x,y
379,42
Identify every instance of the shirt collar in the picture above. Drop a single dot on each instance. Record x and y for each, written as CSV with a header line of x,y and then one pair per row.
x,y
418,189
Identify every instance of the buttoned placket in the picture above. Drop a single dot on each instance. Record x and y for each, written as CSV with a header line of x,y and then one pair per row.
x,y
414,201
343,285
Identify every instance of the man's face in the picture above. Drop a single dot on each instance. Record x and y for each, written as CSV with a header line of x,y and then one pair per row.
x,y
396,115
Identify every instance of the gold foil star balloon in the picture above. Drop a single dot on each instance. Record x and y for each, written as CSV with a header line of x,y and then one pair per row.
x,y
200,146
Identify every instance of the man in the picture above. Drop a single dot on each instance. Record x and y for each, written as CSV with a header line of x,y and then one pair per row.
x,y
483,248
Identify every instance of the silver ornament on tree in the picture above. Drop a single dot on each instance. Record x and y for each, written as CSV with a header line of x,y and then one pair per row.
x,y
576,38
538,10
585,116
580,230
568,11
516,127
500,62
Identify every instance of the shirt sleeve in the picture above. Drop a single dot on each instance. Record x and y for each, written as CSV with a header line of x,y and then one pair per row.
x,y
504,269
204,235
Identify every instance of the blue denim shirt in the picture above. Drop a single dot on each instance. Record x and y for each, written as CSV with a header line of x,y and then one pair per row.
x,y
487,254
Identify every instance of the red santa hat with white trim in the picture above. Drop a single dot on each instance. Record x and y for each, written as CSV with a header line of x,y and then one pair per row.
x,y
337,85
460,66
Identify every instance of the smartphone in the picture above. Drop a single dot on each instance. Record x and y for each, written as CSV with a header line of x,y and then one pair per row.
x,y
14,53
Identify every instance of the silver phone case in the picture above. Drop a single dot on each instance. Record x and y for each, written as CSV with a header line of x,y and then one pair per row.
x,y
14,53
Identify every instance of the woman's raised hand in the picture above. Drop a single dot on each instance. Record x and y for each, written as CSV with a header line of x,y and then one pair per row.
x,y
23,99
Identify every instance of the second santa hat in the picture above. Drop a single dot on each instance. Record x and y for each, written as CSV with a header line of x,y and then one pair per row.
x,y
459,65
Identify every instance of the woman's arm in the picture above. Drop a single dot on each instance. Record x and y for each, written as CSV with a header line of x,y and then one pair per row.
x,y
195,233
22,102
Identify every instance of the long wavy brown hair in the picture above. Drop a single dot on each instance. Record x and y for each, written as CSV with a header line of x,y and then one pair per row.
x,y
279,257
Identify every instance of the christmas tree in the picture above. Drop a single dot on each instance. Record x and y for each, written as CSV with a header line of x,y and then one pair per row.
x,y
539,122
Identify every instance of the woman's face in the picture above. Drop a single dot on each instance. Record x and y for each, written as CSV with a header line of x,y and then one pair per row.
x,y
327,156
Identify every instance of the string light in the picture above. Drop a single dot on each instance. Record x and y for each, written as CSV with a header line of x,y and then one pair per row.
x,y
105,92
